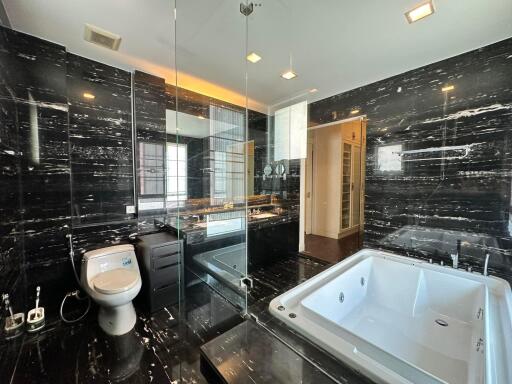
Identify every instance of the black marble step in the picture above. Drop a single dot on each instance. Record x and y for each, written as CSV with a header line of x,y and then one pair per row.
x,y
248,353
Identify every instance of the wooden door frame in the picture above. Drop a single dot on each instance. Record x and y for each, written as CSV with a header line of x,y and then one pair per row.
x,y
302,209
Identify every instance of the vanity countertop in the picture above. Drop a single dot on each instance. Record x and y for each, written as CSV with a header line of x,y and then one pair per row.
x,y
191,226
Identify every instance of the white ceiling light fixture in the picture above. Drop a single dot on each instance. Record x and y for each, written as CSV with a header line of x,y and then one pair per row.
x,y
289,74
253,57
420,11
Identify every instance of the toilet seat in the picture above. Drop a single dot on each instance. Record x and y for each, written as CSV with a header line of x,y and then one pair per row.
x,y
115,281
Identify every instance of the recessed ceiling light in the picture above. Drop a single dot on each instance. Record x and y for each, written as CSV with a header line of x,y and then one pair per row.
x,y
420,11
253,57
288,75
88,95
354,111
313,90
447,88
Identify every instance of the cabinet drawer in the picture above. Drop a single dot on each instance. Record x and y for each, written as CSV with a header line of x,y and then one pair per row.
x,y
166,250
164,261
165,275
164,295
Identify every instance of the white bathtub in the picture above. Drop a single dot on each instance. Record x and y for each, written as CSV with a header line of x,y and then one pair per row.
x,y
401,320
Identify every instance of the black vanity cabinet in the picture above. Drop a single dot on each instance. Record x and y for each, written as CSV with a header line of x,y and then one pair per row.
x,y
161,266
269,242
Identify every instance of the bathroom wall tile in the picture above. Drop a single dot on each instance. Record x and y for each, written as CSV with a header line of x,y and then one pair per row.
x,y
86,238
150,127
35,200
150,104
429,202
10,189
36,94
100,139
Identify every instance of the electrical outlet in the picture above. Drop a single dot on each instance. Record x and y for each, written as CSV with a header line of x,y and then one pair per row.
x,y
130,209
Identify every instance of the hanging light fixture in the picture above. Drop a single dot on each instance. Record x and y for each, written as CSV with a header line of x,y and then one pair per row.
x,y
289,74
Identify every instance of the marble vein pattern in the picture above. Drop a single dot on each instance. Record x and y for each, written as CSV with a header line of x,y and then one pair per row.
x,y
100,139
162,348
451,177
150,129
34,158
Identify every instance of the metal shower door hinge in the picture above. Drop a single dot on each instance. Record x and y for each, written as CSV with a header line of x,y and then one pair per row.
x,y
246,9
479,344
247,282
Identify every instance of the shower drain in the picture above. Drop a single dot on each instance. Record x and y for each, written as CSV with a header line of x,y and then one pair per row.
x,y
441,322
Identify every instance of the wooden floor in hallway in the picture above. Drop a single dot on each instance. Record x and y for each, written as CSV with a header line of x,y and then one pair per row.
x,y
332,250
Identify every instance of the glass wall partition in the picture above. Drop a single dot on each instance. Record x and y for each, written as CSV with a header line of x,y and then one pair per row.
x,y
208,150
311,173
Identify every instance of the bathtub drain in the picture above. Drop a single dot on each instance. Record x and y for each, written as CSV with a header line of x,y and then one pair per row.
x,y
441,322
342,297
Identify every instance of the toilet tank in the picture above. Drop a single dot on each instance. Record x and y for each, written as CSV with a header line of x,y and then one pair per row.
x,y
106,259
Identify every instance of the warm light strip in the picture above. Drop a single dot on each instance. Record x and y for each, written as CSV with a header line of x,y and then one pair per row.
x,y
419,12
88,95
354,111
448,88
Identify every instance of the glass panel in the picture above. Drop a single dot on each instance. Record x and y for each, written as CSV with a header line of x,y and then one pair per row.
x,y
210,137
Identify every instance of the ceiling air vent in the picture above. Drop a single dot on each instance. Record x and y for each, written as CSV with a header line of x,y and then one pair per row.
x,y
101,37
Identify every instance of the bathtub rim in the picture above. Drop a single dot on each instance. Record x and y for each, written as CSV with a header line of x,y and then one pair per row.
x,y
494,286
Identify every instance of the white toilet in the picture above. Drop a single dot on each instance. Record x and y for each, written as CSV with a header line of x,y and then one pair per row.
x,y
111,277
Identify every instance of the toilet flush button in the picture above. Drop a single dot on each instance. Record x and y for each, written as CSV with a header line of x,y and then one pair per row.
x,y
130,209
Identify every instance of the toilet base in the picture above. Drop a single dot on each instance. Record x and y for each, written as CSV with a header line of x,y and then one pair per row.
x,y
118,320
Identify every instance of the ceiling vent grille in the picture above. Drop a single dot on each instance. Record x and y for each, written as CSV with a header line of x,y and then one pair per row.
x,y
101,37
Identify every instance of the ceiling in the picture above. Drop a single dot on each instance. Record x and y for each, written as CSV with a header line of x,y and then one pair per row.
x,y
336,45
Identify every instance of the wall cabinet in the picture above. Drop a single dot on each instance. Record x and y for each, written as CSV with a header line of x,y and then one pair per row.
x,y
350,186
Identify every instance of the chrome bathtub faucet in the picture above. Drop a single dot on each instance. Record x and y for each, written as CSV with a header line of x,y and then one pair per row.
x,y
455,256
487,255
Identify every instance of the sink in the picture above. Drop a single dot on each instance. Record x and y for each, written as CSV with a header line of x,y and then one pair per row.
x,y
264,215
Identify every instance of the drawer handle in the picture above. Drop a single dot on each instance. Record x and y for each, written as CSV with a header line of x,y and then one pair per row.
x,y
167,255
163,287
166,266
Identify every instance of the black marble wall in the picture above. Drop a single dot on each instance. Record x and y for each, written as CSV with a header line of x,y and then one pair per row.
x,y
66,163
150,128
458,186
34,157
10,175
100,139
101,154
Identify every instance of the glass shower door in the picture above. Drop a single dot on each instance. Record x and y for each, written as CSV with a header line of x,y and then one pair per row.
x,y
210,137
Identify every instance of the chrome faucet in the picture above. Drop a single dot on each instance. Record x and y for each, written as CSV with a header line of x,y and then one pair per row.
x,y
487,255
455,256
